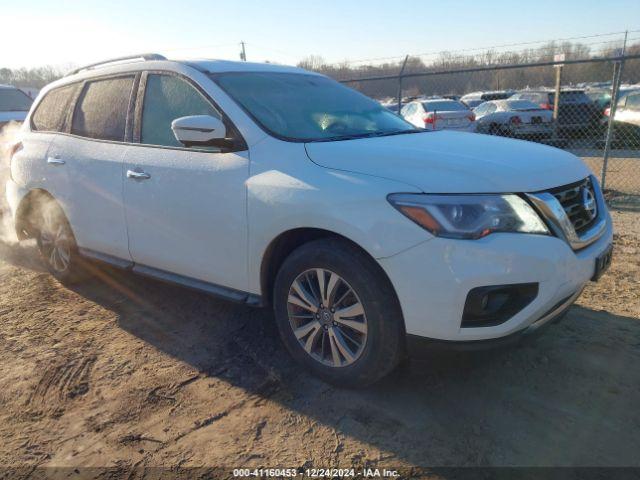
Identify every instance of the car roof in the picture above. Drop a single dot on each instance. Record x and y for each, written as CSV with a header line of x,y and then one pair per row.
x,y
552,90
145,62
6,87
223,66
440,99
153,61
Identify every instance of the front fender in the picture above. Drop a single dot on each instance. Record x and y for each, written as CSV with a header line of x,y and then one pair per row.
x,y
349,204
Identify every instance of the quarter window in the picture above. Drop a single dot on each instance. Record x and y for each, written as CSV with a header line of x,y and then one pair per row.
x,y
166,98
101,111
52,110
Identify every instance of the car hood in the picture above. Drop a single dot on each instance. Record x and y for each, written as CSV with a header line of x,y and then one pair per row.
x,y
8,116
453,162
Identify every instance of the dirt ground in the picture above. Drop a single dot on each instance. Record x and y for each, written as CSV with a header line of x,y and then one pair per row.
x,y
623,171
125,371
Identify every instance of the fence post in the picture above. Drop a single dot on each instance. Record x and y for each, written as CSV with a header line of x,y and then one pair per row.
x,y
615,86
612,110
556,101
404,64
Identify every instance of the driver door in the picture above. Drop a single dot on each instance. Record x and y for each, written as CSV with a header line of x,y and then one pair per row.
x,y
185,207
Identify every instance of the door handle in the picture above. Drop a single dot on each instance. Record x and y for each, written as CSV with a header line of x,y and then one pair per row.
x,y
138,175
55,161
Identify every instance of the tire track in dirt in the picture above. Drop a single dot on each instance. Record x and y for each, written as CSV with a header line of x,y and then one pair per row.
x,y
61,383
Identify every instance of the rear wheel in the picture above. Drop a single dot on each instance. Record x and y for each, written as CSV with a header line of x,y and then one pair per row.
x,y
337,313
57,244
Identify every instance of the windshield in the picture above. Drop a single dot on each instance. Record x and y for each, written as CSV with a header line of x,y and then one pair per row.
x,y
14,100
444,106
301,107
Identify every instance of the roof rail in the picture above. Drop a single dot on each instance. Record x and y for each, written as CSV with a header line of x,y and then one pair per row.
x,y
141,56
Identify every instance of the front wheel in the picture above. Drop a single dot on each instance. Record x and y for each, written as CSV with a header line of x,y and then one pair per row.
x,y
337,313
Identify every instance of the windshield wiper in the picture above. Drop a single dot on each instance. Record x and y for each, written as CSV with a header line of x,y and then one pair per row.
x,y
345,137
403,132
366,135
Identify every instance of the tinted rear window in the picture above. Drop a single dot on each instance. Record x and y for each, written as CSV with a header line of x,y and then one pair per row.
x,y
495,96
101,111
444,106
570,97
52,110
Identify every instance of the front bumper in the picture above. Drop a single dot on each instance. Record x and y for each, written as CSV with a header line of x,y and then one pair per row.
x,y
432,279
417,346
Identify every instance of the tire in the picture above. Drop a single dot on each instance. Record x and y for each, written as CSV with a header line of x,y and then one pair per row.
x,y
380,327
56,243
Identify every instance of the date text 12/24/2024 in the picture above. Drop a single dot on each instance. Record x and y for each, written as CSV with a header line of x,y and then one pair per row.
x,y
316,472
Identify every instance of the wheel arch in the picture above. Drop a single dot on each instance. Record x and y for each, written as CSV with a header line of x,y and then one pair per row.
x,y
24,221
286,242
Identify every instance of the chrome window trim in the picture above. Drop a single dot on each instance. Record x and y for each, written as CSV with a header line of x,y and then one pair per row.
x,y
559,222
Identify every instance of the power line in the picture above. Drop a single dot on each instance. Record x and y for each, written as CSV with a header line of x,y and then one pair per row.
x,y
545,50
436,52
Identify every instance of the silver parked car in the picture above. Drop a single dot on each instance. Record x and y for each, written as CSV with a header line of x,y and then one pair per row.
x,y
439,114
514,118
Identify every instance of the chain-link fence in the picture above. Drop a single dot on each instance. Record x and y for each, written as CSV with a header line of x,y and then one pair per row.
x,y
589,107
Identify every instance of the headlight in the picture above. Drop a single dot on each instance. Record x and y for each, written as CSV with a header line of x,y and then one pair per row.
x,y
469,216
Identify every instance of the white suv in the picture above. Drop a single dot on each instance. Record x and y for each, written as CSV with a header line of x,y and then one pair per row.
x,y
272,185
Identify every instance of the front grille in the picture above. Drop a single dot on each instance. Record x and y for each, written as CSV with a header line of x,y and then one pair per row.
x,y
579,202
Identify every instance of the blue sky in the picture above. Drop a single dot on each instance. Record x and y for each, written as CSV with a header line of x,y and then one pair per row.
x,y
63,32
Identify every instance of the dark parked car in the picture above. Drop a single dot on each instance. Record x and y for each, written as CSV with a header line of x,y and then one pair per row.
x,y
577,112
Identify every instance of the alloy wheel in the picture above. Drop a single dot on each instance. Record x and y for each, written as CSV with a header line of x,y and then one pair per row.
x,y
327,317
55,242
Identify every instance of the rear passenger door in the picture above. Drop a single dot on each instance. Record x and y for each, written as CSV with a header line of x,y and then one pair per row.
x,y
187,215
92,155
38,169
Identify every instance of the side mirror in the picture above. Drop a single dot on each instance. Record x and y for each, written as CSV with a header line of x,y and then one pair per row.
x,y
200,130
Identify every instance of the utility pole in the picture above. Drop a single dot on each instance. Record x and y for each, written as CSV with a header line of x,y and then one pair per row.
x,y
243,53
404,64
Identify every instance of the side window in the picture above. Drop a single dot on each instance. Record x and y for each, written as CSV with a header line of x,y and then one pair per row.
x,y
482,109
52,110
166,98
633,102
101,110
491,107
622,103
